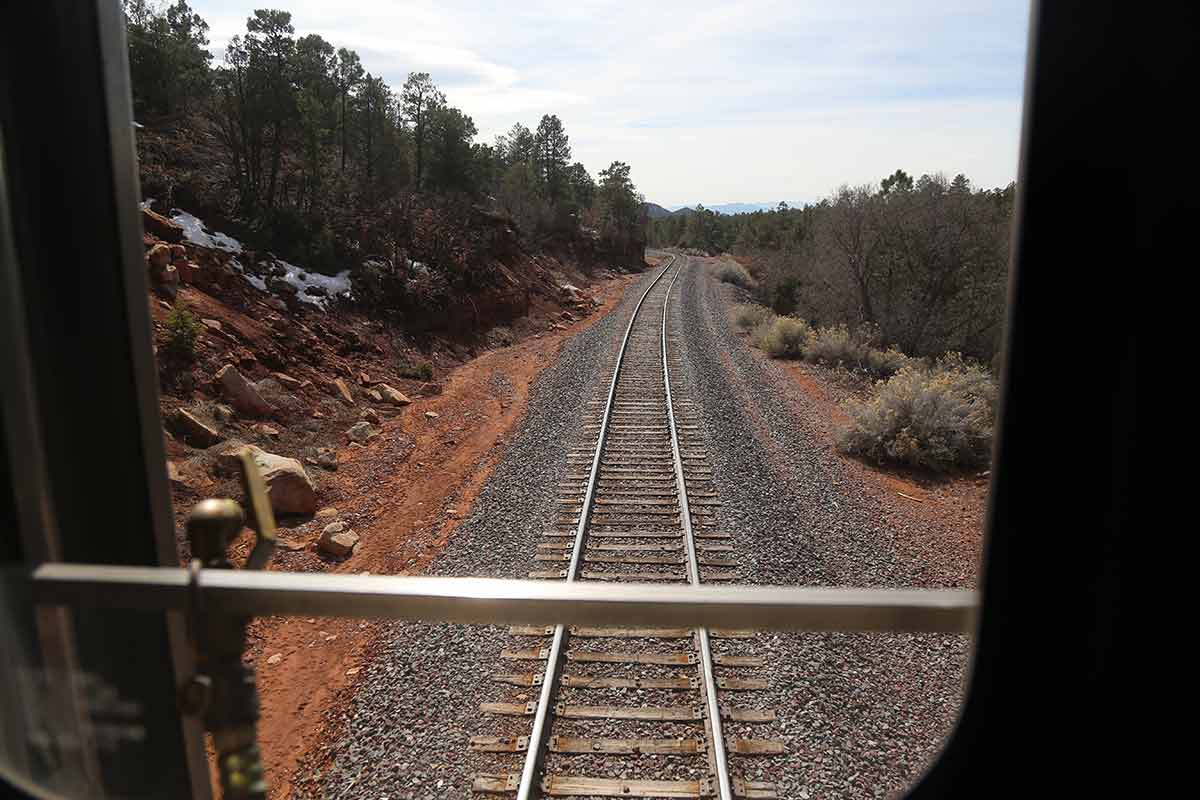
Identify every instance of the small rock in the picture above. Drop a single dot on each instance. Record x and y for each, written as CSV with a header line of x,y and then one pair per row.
x,y
327,458
338,539
375,395
222,413
371,415
327,511
432,415
212,324
161,227
266,430
430,389
361,432
275,659
193,430
287,380
343,390
364,379
241,393
393,396
178,253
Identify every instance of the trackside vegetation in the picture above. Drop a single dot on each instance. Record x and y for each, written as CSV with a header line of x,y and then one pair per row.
x,y
934,414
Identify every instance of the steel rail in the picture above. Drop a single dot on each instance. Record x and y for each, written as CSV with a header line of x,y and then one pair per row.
x,y
717,751
528,788
493,601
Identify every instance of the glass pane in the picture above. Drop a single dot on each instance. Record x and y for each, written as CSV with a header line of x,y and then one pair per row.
x,y
401,257
78,724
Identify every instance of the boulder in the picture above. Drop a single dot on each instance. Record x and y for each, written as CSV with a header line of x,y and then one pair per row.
x,y
242,394
161,227
289,488
159,257
371,416
167,284
361,432
393,396
338,539
375,395
192,429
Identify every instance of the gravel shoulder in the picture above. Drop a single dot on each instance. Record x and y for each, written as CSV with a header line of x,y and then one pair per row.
x,y
862,714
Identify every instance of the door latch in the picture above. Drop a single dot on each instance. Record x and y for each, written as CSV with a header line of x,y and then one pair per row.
x,y
223,691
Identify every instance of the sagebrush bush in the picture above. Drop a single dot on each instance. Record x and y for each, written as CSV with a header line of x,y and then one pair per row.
x,y
735,273
748,315
834,345
183,329
938,417
785,337
760,331
837,344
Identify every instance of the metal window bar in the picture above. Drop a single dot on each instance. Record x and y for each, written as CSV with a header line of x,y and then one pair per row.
x,y
484,601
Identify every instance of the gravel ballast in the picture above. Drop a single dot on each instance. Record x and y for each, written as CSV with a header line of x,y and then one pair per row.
x,y
861,714
406,731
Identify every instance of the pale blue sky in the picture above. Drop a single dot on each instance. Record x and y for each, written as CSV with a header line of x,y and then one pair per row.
x,y
744,101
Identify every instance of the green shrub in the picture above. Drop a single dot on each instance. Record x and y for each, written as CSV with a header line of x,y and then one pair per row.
x,y
937,417
735,273
748,315
183,329
416,370
785,337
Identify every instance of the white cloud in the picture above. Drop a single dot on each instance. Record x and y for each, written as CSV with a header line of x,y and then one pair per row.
x,y
758,99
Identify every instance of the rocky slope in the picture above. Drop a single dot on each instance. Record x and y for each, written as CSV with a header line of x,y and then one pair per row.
x,y
281,361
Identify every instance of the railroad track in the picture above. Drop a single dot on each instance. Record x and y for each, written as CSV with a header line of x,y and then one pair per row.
x,y
638,504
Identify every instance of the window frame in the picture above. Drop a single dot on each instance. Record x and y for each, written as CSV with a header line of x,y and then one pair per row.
x,y
1066,40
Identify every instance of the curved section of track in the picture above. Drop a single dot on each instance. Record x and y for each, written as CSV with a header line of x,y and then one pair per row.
x,y
638,505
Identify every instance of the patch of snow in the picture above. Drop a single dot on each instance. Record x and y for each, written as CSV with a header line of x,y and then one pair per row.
x,y
302,279
193,231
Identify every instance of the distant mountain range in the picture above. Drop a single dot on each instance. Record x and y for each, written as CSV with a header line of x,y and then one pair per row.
x,y
654,210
